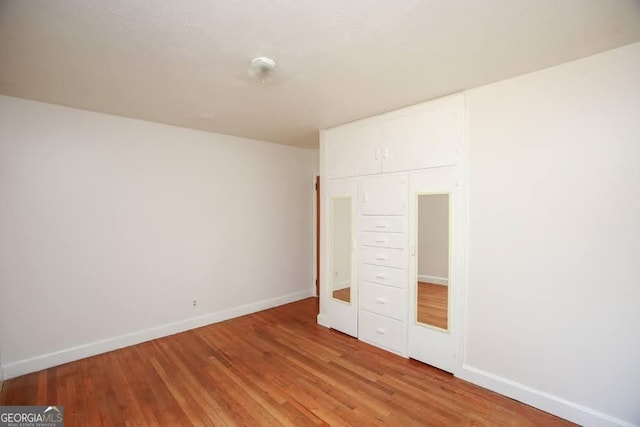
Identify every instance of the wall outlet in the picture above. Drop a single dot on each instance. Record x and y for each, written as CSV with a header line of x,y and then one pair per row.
x,y
194,302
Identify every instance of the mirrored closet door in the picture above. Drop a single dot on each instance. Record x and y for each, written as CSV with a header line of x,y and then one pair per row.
x,y
432,281
341,274
341,236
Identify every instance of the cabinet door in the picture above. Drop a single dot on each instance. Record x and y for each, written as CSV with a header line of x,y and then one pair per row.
x,y
339,286
436,241
384,195
429,135
352,150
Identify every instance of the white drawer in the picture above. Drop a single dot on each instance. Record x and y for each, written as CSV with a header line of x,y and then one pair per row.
x,y
395,277
384,256
390,302
393,224
382,331
384,240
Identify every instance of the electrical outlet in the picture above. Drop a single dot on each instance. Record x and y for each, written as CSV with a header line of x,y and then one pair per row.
x,y
195,302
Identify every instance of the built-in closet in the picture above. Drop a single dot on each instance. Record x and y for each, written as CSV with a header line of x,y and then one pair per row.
x,y
392,248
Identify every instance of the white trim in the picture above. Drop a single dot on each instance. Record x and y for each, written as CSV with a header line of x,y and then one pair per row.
x,y
315,236
323,320
26,366
324,247
464,227
547,402
435,280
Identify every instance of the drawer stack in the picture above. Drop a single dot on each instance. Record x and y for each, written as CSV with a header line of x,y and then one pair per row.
x,y
383,264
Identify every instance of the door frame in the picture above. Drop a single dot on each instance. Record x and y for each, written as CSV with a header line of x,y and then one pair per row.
x,y
317,205
316,232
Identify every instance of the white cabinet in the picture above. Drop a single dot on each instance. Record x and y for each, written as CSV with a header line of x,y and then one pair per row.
x,y
383,261
379,159
352,150
423,136
429,136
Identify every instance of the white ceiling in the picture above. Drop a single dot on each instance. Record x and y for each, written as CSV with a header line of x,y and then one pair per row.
x,y
185,62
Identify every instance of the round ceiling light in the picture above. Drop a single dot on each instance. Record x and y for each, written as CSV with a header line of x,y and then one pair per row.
x,y
261,67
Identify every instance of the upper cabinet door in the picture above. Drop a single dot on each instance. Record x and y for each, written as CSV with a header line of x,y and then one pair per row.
x,y
352,149
425,136
384,195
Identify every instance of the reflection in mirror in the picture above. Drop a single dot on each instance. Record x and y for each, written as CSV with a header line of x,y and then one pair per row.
x,y
433,260
341,248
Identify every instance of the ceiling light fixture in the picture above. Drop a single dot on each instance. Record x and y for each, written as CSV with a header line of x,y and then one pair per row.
x,y
261,67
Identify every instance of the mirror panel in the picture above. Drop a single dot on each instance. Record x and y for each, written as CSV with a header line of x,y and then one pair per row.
x,y
341,232
433,260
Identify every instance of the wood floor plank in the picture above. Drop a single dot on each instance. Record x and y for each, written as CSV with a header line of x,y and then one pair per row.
x,y
276,367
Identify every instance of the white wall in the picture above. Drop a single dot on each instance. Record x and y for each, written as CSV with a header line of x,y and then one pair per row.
x,y
554,274
111,226
433,238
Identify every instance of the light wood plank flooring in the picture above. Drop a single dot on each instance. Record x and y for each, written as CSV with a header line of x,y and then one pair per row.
x,y
276,367
433,302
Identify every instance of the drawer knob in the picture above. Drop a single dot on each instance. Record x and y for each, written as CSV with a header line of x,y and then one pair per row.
x,y
380,276
381,301
381,226
381,241
381,258
381,331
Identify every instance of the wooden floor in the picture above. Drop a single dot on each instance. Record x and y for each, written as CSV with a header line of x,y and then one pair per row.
x,y
343,294
276,367
433,302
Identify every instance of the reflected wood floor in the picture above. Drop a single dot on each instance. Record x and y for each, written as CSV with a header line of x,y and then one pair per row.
x,y
343,294
432,304
276,367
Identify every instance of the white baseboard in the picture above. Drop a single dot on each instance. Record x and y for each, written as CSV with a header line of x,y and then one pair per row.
x,y
323,320
433,279
22,367
549,403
